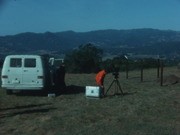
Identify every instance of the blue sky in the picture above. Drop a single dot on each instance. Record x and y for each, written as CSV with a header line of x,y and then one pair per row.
x,y
17,16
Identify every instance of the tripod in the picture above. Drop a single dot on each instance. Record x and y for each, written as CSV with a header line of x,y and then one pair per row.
x,y
117,87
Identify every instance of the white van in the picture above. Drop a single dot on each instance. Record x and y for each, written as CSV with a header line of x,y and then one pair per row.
x,y
25,72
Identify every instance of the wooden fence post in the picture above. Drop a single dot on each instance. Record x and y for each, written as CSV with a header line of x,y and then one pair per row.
x,y
158,67
162,70
142,70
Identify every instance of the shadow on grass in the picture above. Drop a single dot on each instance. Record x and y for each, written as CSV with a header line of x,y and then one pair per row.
x,y
39,93
120,94
44,110
73,89
25,111
129,93
25,106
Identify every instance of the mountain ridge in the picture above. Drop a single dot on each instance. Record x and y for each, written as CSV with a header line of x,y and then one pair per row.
x,y
124,41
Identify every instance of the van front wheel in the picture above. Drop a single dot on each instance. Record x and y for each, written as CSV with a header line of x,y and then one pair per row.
x,y
9,92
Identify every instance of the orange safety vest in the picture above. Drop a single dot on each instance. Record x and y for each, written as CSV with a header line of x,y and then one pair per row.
x,y
100,77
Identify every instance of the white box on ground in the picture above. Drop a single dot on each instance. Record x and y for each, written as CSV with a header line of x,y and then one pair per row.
x,y
93,91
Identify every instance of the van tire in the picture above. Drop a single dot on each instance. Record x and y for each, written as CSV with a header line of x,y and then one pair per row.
x,y
9,92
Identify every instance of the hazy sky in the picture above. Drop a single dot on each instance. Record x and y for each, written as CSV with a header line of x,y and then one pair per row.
x,y
17,16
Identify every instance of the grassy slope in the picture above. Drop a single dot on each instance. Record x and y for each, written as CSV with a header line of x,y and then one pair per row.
x,y
146,109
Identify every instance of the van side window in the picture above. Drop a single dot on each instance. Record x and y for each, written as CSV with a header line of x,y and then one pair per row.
x,y
15,62
30,62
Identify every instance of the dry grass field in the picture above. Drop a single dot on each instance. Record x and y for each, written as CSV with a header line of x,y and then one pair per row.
x,y
146,108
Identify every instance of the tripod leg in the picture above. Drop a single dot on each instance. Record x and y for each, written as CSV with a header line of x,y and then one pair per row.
x,y
109,87
120,87
116,88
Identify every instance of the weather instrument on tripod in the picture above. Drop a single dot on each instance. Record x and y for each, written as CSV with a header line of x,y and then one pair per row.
x,y
116,84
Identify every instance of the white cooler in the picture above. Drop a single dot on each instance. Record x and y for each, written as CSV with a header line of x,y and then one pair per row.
x,y
93,91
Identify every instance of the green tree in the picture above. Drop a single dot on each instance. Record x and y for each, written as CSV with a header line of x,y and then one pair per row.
x,y
85,59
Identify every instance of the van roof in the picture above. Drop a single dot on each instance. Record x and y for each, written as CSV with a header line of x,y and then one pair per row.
x,y
23,56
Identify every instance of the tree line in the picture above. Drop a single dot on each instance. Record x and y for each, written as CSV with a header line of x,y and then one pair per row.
x,y
88,59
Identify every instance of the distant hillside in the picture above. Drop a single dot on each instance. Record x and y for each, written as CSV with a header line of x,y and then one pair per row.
x,y
144,41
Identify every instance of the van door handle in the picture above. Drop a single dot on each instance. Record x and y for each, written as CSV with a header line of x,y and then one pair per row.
x,y
25,70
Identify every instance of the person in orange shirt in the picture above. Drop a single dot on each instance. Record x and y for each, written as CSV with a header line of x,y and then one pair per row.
x,y
100,80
